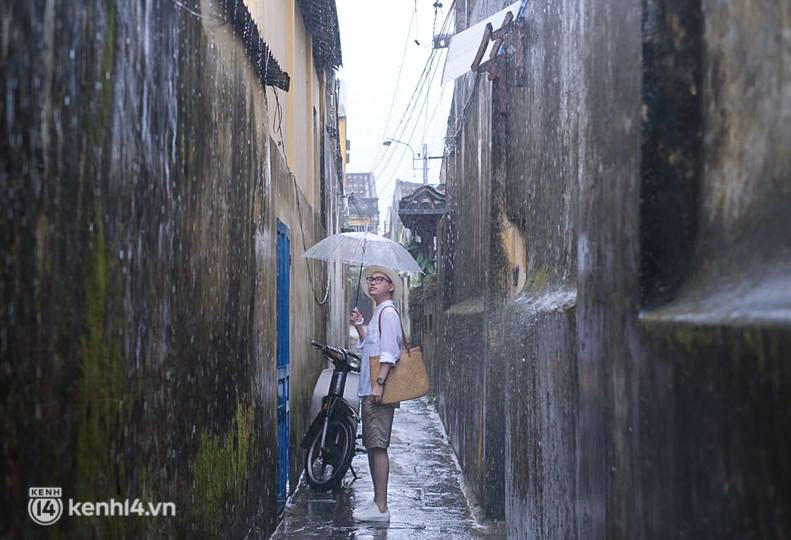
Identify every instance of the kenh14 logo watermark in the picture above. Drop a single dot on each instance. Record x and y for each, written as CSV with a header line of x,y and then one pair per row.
x,y
45,507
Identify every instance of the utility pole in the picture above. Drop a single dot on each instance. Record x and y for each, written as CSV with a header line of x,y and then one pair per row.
x,y
425,157
425,164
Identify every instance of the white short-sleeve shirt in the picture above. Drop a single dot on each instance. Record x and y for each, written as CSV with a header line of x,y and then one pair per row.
x,y
388,348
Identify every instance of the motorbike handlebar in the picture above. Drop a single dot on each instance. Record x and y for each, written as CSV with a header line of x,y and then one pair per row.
x,y
337,355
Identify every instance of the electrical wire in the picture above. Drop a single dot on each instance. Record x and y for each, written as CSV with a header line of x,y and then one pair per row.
x,y
465,113
423,105
305,248
416,93
414,11
395,90
424,81
411,135
277,127
433,33
434,113
277,120
407,119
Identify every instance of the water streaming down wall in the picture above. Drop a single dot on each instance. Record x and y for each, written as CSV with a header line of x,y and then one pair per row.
x,y
634,383
138,283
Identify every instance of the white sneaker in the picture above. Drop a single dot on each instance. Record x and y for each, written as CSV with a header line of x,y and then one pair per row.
x,y
371,512
364,507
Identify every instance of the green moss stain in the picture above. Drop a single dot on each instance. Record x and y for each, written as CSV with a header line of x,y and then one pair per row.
x,y
690,337
104,77
101,383
221,467
761,347
92,391
538,279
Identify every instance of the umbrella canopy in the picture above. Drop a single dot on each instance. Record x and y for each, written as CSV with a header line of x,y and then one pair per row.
x,y
365,249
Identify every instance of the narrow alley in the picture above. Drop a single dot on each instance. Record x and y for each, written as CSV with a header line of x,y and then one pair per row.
x,y
425,496
556,231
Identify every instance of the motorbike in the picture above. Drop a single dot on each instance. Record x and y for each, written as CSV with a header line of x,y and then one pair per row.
x,y
330,442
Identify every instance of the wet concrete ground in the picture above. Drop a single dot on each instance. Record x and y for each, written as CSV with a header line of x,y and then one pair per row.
x,y
425,496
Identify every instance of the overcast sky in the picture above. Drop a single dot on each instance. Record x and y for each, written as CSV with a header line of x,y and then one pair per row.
x,y
375,36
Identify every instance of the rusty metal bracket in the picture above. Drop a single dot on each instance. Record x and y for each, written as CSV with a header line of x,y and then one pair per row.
x,y
509,36
490,34
487,35
502,37
505,28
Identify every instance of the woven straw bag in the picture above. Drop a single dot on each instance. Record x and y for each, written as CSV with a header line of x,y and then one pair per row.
x,y
408,379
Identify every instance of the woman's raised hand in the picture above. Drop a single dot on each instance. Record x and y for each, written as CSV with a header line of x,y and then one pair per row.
x,y
357,318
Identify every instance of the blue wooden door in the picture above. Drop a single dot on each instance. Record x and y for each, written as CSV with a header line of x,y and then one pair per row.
x,y
283,271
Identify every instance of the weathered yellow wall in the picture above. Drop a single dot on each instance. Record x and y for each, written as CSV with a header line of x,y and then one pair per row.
x,y
281,26
296,158
297,98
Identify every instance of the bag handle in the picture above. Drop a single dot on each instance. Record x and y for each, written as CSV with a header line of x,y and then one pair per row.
x,y
403,334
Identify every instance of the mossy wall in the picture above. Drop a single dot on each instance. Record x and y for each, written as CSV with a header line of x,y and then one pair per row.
x,y
459,355
633,371
138,269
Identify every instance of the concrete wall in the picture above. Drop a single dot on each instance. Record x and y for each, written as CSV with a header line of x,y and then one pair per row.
x,y
713,406
475,426
333,154
614,270
140,189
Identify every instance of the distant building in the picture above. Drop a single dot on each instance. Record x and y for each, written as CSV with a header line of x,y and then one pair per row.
x,y
362,208
394,227
361,184
419,213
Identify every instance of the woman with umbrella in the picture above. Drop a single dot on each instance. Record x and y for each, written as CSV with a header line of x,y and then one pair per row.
x,y
384,337
382,259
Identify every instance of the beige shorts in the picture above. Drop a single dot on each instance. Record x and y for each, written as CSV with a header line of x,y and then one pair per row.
x,y
377,423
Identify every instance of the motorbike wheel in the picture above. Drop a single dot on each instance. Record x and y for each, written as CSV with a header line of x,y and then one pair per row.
x,y
325,470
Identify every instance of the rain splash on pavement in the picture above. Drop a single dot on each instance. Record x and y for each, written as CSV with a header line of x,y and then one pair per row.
x,y
425,495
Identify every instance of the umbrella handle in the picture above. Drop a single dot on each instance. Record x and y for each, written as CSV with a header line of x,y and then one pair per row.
x,y
360,276
359,279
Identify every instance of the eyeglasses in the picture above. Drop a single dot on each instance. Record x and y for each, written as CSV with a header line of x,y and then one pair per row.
x,y
377,280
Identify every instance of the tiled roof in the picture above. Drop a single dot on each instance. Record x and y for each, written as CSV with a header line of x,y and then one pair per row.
x,y
268,70
321,21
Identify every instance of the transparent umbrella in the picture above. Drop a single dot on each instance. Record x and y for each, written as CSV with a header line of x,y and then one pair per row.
x,y
365,249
